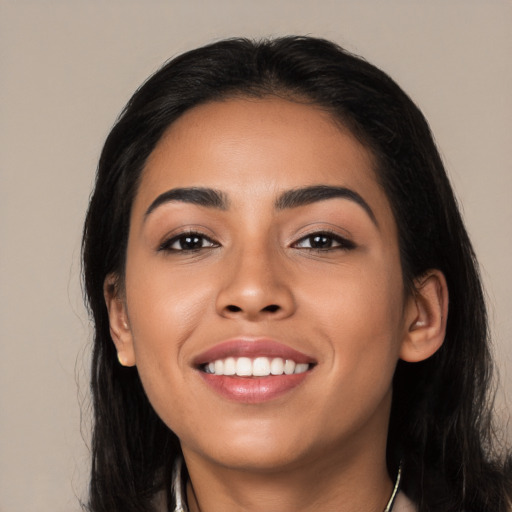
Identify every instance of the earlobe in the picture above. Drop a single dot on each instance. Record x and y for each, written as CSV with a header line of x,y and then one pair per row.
x,y
119,324
426,316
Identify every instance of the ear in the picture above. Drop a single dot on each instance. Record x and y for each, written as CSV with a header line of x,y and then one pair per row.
x,y
427,312
119,323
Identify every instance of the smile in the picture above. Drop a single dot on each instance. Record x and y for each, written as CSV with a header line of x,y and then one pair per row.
x,y
257,367
252,371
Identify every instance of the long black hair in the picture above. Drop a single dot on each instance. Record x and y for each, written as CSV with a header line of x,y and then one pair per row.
x,y
441,422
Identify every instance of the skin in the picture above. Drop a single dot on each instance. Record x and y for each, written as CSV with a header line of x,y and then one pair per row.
x,y
321,445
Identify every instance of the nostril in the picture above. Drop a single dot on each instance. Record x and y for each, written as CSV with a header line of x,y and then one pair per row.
x,y
271,308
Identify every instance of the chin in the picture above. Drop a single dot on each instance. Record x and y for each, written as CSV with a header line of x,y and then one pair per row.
x,y
255,448
266,459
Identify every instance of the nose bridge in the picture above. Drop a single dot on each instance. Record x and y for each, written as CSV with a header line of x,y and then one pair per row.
x,y
255,284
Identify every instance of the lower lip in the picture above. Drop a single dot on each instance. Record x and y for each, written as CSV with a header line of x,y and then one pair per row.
x,y
253,390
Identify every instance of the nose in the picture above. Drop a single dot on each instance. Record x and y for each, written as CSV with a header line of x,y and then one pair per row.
x,y
255,287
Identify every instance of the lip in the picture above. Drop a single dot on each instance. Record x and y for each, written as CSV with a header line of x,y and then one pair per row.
x,y
252,390
251,347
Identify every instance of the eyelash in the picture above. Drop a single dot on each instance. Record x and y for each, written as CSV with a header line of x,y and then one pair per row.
x,y
166,245
329,237
342,243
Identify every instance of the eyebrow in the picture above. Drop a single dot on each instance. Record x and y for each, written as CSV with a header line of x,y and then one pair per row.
x,y
295,198
316,193
207,197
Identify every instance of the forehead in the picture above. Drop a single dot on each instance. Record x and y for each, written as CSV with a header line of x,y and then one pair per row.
x,y
257,148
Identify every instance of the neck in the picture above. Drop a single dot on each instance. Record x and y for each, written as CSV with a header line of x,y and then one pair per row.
x,y
328,483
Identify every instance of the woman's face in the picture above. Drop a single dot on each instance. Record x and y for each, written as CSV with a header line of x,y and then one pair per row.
x,y
261,243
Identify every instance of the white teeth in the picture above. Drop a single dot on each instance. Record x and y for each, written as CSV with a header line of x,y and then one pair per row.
x,y
218,367
243,367
258,367
301,368
289,367
277,366
230,366
261,367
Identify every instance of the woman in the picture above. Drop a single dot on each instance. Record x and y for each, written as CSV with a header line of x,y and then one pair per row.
x,y
269,254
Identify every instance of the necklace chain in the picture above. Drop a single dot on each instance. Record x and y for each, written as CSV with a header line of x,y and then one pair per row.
x,y
391,502
177,486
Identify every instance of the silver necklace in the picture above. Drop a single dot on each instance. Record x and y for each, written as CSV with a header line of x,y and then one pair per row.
x,y
178,488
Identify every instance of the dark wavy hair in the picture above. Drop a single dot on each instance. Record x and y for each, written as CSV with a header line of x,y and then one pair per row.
x,y
441,419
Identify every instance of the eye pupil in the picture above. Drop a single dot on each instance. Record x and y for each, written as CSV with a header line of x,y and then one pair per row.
x,y
191,242
320,241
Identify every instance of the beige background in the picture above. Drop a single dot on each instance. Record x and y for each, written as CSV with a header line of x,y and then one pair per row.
x,y
66,69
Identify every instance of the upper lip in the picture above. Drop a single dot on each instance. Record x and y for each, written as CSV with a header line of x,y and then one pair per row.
x,y
251,347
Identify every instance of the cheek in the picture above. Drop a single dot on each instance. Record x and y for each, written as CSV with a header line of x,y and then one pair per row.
x,y
165,309
361,314
361,321
165,303
369,292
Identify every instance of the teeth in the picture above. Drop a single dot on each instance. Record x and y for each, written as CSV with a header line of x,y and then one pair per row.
x,y
218,367
258,367
261,367
289,367
301,368
243,367
277,366
230,366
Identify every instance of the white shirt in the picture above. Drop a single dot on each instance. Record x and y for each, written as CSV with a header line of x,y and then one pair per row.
x,y
404,504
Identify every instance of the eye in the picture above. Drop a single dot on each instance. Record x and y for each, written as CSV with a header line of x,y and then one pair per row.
x,y
324,241
187,242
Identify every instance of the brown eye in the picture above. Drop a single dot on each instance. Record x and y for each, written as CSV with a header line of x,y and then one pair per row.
x,y
324,242
188,242
321,242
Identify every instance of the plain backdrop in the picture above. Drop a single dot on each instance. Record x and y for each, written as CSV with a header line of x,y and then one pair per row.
x,y
67,68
